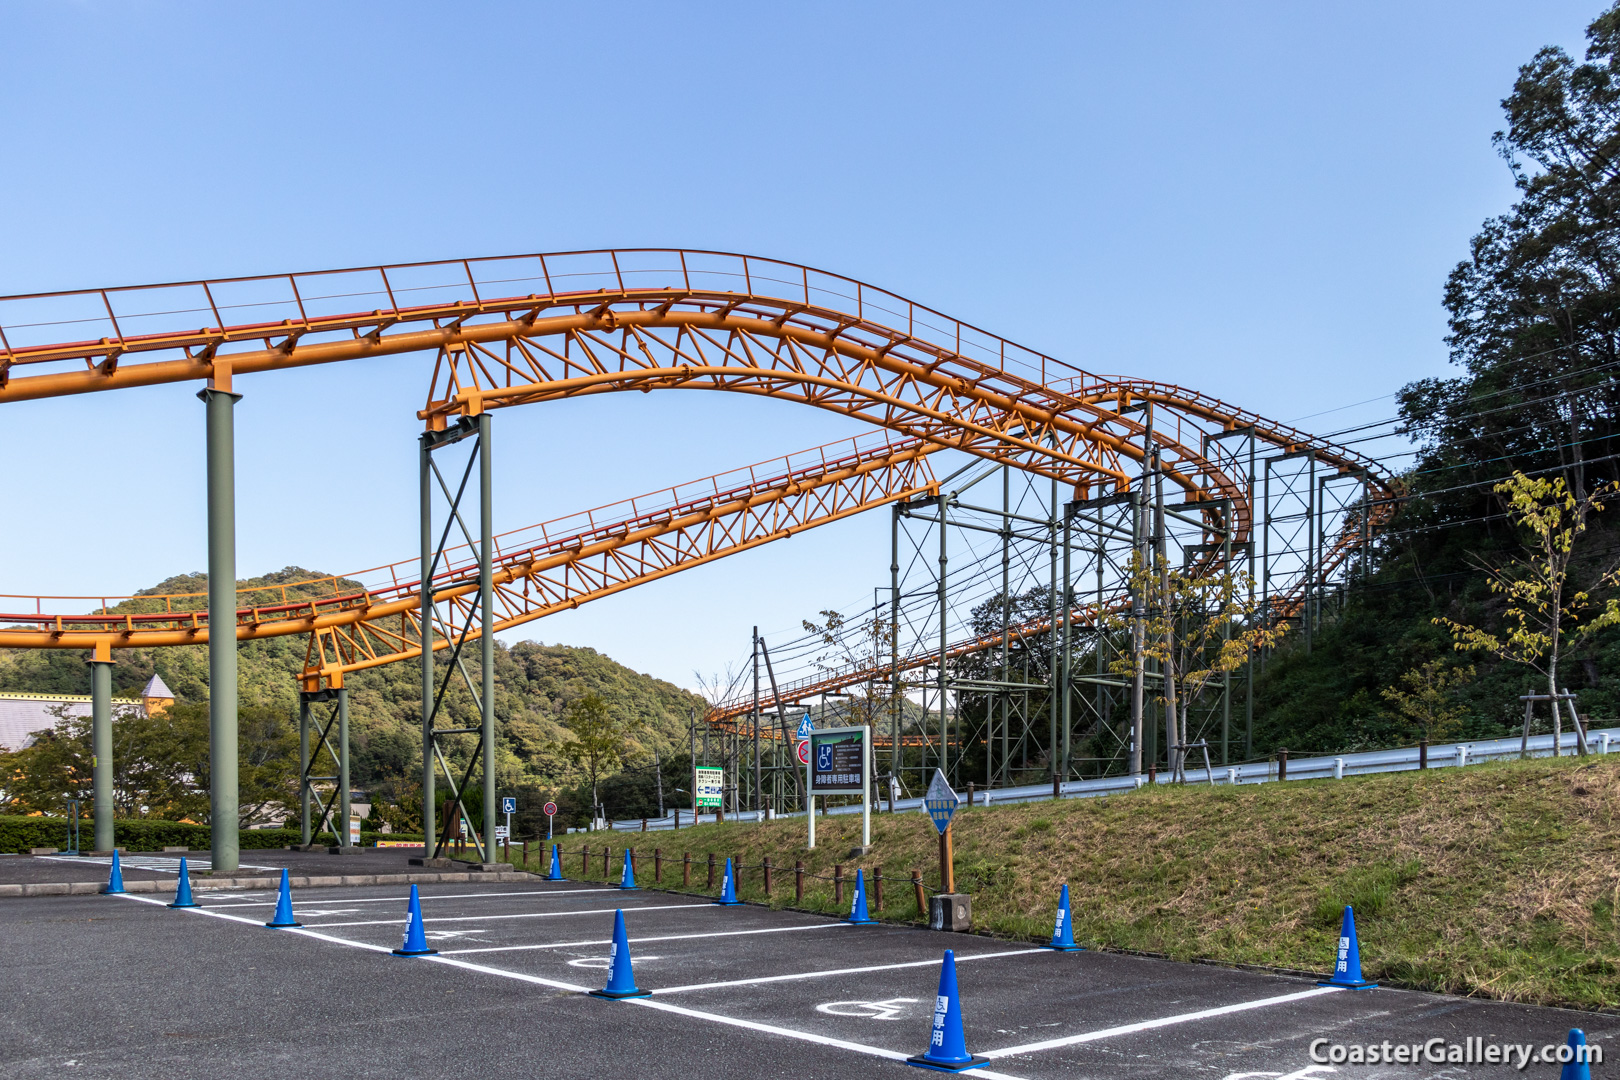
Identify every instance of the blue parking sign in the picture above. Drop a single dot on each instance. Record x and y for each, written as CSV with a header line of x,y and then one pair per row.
x,y
509,805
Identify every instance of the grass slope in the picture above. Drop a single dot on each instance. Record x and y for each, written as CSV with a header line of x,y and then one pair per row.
x,y
1501,880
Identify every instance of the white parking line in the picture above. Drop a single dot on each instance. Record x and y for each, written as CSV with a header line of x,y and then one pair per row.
x,y
842,971
805,1036
641,940
521,915
661,1006
1165,1021
424,896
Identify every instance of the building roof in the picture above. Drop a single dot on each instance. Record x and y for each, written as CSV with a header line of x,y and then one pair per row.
x,y
156,688
22,716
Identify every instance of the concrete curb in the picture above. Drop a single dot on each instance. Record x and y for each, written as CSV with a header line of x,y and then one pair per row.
x,y
90,888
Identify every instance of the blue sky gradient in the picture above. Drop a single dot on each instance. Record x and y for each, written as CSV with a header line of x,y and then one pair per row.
x,y
1259,200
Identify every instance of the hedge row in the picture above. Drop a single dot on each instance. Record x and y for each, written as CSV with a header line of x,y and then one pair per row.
x,y
18,834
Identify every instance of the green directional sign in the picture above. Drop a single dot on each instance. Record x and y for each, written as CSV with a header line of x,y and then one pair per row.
x,y
711,783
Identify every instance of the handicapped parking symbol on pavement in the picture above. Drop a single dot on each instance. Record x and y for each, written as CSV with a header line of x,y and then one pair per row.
x,y
870,1010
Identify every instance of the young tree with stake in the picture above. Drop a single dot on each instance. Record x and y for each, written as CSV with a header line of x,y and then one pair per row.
x,y
1546,615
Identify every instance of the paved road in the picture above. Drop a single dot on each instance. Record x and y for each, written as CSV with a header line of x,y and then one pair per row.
x,y
125,987
140,866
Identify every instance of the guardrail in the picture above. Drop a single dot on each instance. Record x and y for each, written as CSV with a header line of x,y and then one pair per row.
x,y
1334,767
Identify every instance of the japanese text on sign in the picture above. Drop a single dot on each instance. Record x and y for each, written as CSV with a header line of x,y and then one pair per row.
x,y
838,761
710,785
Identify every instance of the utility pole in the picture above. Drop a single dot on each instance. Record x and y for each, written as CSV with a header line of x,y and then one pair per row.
x,y
658,775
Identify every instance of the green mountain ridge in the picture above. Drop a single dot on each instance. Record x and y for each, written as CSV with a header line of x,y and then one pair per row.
x,y
534,683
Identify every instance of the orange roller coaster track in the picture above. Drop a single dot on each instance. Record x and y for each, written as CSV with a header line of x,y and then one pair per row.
x,y
524,329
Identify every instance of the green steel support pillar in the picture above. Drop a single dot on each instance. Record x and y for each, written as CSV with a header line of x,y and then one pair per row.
x,y
486,606
101,748
343,767
426,618
222,688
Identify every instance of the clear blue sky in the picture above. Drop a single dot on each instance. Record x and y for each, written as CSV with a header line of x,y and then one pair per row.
x,y
1260,200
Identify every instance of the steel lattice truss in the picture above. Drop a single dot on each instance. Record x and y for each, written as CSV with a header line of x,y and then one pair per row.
x,y
535,328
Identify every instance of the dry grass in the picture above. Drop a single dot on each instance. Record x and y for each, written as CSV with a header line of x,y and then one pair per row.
x,y
1501,880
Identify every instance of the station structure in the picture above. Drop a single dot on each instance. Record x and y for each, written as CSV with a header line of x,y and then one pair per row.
x,y
1091,468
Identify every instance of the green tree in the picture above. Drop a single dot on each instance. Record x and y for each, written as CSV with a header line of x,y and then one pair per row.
x,y
1425,698
1546,614
1535,308
599,739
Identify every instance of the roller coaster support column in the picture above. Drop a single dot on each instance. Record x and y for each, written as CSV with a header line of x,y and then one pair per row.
x,y
101,748
1053,750
429,807
758,805
342,825
1067,600
334,810
223,807
1161,533
486,604
458,620
303,770
895,760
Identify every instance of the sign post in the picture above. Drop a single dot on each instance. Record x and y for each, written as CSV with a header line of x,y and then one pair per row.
x,y
710,789
550,810
508,807
803,751
841,764
950,911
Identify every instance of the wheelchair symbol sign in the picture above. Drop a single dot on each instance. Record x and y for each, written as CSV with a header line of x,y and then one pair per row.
x,y
824,756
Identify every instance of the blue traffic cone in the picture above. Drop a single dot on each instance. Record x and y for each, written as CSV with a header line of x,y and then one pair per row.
x,y
182,892
947,1046
857,910
1062,927
415,937
728,888
621,980
1577,1067
627,880
283,916
1347,969
115,880
555,873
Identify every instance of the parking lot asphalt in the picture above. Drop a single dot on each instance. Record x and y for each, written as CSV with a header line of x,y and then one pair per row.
x,y
126,987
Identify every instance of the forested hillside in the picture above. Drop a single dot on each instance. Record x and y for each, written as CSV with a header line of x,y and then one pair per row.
x,y
534,685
